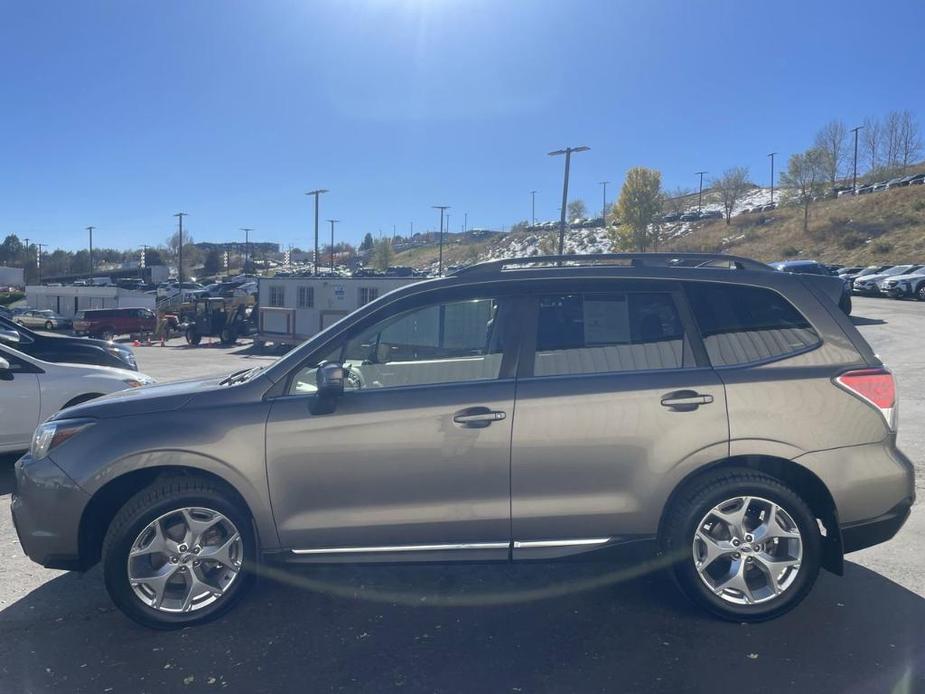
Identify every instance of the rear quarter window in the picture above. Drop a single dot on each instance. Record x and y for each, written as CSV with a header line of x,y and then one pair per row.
x,y
742,324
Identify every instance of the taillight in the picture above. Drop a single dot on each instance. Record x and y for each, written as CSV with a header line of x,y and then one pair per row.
x,y
876,387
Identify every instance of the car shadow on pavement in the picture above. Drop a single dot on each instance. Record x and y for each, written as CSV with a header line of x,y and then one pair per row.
x,y
577,627
861,320
7,461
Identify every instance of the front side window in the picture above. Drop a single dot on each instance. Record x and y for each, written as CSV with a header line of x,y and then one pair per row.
x,y
611,332
742,324
449,342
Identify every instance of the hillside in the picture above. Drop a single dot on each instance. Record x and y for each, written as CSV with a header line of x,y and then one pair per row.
x,y
882,227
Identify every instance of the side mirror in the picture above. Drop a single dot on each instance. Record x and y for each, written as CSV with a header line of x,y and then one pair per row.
x,y
9,336
4,365
330,378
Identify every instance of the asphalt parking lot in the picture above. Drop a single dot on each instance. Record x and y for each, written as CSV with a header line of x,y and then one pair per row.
x,y
536,627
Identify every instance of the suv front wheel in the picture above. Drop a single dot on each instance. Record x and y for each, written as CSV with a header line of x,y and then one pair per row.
x,y
743,545
180,552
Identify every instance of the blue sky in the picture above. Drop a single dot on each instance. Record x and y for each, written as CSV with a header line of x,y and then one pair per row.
x,y
120,113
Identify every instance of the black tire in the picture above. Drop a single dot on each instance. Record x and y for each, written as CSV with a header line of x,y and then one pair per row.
x,y
49,325
695,501
228,336
162,496
192,337
845,304
920,292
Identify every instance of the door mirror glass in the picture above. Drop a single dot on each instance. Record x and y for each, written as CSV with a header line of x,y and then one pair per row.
x,y
9,336
330,378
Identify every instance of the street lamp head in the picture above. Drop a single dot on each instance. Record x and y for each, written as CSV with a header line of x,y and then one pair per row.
x,y
603,183
332,221
771,154
181,214
583,148
317,192
441,207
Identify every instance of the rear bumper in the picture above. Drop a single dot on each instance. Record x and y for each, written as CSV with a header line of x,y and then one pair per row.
x,y
47,506
855,536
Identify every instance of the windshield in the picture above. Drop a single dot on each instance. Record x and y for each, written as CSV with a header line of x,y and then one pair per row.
x,y
898,270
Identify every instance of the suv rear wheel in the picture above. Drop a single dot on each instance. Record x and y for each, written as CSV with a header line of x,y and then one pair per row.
x,y
920,293
743,545
180,552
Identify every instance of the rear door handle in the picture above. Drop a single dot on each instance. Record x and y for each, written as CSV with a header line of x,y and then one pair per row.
x,y
685,400
478,417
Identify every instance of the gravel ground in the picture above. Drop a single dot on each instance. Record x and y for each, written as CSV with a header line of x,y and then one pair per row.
x,y
465,628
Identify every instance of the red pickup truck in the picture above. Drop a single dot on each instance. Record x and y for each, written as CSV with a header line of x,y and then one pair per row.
x,y
106,323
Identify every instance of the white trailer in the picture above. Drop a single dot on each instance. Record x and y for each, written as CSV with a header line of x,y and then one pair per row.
x,y
11,276
293,309
69,300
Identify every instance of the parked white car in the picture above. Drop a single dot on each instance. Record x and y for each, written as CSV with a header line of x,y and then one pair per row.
x,y
31,390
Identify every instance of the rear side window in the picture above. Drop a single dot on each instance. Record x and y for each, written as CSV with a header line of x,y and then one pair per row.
x,y
607,333
742,324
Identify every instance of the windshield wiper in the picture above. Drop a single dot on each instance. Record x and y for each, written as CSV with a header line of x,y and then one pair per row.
x,y
240,376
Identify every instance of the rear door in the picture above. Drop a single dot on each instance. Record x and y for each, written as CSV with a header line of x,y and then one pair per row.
x,y
615,401
20,402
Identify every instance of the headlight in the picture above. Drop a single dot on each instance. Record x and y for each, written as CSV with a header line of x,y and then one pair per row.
x,y
50,435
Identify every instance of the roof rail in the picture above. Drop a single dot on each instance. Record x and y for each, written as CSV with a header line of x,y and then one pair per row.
x,y
687,260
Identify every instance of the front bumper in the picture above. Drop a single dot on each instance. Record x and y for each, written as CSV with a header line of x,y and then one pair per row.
x,y
47,506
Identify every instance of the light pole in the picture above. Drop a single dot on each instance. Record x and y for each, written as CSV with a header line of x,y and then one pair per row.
x,y
568,159
604,206
465,222
180,216
854,181
333,222
247,246
700,194
90,230
771,155
316,193
533,207
442,209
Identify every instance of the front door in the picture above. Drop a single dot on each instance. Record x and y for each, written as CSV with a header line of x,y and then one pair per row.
x,y
414,462
613,399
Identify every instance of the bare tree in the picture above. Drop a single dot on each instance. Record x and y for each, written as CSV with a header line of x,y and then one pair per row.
x,y
909,139
890,147
872,136
805,178
676,200
577,210
731,186
832,143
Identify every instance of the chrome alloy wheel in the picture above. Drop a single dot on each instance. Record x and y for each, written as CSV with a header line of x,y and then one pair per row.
x,y
747,550
185,560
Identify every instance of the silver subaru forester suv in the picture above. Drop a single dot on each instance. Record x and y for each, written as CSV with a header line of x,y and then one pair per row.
x,y
728,414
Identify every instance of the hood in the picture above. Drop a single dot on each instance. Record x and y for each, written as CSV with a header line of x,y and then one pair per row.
x,y
873,278
144,400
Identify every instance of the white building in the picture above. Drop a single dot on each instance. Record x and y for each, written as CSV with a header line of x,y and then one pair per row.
x,y
292,309
69,300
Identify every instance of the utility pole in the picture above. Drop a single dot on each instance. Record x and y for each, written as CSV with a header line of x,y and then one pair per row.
x,y
333,222
316,193
533,207
90,229
442,209
180,216
465,222
247,246
700,195
604,206
854,181
771,155
38,260
568,160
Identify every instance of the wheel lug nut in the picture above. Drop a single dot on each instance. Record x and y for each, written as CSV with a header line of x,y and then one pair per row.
x,y
182,548
748,538
736,543
757,548
736,555
197,563
174,560
197,549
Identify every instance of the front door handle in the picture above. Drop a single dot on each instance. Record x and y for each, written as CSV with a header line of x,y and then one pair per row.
x,y
685,400
478,417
